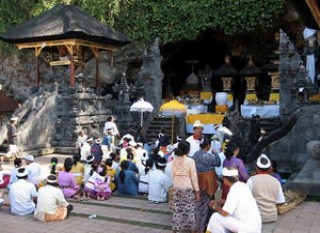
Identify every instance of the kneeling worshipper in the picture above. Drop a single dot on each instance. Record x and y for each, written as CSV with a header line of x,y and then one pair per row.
x,y
51,204
22,194
240,212
266,190
159,183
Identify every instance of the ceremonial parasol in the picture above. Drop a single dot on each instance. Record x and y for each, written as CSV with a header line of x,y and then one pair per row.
x,y
173,108
141,106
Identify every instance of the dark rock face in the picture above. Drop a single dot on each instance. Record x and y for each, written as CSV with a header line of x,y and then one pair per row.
x,y
52,115
313,149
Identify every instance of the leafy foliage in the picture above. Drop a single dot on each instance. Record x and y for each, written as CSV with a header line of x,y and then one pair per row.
x,y
170,20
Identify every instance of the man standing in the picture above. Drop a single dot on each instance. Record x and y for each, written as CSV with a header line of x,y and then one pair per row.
x,y
86,149
96,151
194,139
159,183
51,204
33,169
22,194
12,137
110,125
266,190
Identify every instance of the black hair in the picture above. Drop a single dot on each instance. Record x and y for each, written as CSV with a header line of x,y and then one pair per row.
x,y
112,155
94,168
103,171
22,170
124,166
183,148
274,165
52,177
230,148
109,162
68,164
204,142
232,179
161,160
54,162
76,159
130,155
17,162
149,164
109,118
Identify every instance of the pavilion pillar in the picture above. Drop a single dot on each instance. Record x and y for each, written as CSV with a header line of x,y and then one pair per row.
x,y
97,72
37,70
72,75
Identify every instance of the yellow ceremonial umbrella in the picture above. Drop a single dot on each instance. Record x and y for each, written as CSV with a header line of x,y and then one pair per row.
x,y
173,108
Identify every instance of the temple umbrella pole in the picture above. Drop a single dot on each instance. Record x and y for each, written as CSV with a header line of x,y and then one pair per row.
x,y
141,117
172,130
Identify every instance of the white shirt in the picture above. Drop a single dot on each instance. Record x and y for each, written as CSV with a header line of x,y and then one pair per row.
x,y
219,169
49,199
241,204
143,179
159,185
194,145
85,151
21,194
111,125
168,171
34,172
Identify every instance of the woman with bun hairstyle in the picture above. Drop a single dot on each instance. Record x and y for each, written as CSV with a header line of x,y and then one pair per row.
x,y
208,182
185,190
231,152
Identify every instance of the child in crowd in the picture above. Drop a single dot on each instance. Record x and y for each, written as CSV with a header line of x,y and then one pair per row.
x,y
112,173
54,167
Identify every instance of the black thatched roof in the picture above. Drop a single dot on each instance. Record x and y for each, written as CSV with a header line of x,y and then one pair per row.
x,y
64,22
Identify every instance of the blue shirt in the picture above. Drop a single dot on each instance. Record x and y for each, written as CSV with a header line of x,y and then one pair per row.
x,y
130,184
206,162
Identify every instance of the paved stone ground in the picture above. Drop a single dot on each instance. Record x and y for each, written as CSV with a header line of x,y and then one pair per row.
x,y
124,214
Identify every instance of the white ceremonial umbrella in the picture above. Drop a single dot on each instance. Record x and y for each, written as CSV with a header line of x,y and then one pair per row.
x,y
141,106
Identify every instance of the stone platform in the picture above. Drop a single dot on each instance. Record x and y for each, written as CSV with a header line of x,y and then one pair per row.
x,y
308,179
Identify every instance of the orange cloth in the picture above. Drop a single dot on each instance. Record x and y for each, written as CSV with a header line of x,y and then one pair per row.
x,y
59,215
221,108
208,182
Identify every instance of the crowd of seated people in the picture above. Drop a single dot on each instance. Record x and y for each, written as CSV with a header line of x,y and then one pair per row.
x,y
187,174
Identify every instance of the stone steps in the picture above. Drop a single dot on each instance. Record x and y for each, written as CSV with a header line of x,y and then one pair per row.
x,y
130,211
155,125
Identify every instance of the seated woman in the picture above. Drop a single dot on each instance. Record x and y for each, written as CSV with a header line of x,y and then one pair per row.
x,y
77,169
54,167
231,152
67,182
127,180
112,173
97,186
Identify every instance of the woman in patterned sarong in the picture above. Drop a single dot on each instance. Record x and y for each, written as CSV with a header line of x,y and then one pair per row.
x,y
207,179
185,190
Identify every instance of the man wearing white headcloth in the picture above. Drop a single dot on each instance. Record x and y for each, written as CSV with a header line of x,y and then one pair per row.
x,y
194,139
266,190
310,38
240,211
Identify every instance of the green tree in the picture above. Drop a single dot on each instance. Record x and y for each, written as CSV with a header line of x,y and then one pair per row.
x,y
170,20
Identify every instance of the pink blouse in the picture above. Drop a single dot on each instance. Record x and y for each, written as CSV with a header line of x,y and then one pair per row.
x,y
184,173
